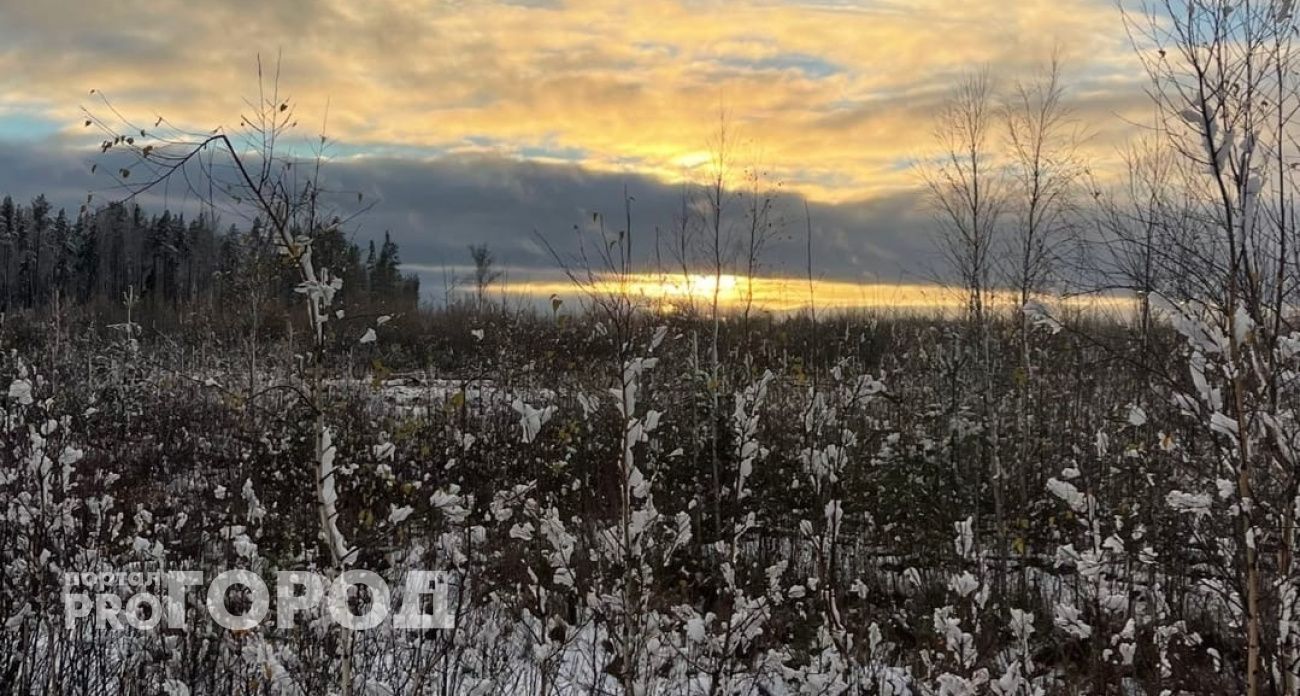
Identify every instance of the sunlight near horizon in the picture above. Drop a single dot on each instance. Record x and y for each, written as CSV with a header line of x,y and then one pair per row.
x,y
784,295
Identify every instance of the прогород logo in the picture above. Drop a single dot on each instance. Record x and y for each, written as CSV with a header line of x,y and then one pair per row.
x,y
145,601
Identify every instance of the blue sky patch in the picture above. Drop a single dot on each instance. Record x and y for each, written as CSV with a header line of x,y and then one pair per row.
x,y
809,65
18,125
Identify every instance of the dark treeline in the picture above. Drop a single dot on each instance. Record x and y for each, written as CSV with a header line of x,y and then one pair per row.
x,y
169,262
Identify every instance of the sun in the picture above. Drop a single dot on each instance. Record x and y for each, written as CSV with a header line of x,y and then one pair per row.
x,y
696,286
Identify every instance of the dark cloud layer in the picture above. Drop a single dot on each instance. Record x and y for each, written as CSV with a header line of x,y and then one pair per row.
x,y
435,208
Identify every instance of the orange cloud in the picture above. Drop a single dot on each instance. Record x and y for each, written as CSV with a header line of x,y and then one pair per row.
x,y
836,96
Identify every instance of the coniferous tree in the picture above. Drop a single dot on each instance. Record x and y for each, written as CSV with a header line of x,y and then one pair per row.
x,y
8,231
172,262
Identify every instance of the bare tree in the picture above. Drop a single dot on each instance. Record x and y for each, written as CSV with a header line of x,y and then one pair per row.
x,y
1223,75
1044,169
762,225
1134,218
485,271
968,191
260,179
717,203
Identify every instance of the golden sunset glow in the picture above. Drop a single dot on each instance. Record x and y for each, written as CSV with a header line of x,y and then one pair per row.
x,y
787,295
832,97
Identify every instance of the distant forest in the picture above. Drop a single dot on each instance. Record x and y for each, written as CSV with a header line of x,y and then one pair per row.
x,y
168,262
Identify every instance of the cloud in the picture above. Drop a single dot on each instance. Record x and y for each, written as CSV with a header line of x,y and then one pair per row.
x,y
44,167
490,121
830,96
435,208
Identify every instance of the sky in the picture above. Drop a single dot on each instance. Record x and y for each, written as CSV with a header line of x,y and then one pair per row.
x,y
506,123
